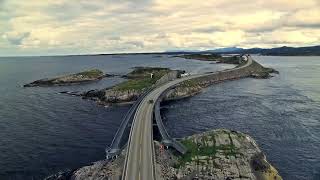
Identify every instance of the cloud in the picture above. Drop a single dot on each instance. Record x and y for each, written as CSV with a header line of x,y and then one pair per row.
x,y
80,26
16,38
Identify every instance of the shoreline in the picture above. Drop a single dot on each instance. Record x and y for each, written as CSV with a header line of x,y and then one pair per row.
x,y
77,174
244,150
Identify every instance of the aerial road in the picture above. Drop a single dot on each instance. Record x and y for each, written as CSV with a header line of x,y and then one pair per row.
x,y
140,157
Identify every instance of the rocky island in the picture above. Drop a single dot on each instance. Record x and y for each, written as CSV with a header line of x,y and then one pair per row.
x,y
140,80
218,154
213,57
82,77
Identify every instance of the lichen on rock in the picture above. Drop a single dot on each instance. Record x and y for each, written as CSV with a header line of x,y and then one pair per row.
x,y
218,154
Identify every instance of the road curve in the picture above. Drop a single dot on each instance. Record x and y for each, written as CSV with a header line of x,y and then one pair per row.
x,y
139,162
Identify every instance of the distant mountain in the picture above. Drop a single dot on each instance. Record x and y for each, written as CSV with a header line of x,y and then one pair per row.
x,y
280,51
222,50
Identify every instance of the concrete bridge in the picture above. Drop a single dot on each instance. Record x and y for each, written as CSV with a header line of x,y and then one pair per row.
x,y
140,156
167,140
120,137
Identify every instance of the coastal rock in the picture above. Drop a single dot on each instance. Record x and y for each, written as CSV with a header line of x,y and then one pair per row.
x,y
183,91
139,81
116,96
219,154
101,170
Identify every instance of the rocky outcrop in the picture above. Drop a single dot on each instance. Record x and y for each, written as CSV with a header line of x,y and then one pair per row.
x,y
82,77
183,91
128,92
220,155
126,96
139,81
101,170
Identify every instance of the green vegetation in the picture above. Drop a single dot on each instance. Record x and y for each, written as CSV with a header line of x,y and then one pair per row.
x,y
189,83
213,57
135,84
203,57
203,149
140,78
142,72
94,73
230,60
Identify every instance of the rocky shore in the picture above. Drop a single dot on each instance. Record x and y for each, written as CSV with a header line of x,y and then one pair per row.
x,y
82,77
218,154
139,81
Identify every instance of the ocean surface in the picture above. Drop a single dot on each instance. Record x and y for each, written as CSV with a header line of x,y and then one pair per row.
x,y
44,132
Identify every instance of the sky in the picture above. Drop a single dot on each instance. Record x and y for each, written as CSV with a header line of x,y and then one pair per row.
x,y
56,27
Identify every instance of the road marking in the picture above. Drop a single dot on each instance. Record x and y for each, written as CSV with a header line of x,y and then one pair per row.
x,y
141,125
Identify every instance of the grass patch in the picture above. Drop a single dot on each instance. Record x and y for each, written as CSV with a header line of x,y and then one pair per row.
x,y
203,57
195,150
213,57
142,72
189,83
140,79
135,84
94,73
202,149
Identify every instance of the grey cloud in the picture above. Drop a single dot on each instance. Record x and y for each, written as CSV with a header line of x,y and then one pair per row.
x,y
138,44
137,2
17,39
209,29
114,38
68,10
305,25
263,29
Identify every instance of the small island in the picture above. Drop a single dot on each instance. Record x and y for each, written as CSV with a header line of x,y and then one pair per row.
x,y
217,154
213,57
82,77
143,78
138,81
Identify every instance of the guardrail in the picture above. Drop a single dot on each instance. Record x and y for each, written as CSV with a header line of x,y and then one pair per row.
x,y
167,140
115,148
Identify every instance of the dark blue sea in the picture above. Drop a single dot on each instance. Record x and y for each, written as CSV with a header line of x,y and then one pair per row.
x,y
44,132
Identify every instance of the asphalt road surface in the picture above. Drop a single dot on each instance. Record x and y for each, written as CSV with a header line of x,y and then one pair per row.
x,y
139,163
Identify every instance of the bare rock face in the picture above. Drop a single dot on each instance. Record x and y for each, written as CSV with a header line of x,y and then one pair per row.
x,y
101,170
219,154
114,96
183,92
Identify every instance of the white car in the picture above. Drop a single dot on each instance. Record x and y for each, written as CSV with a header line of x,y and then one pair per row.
x,y
185,74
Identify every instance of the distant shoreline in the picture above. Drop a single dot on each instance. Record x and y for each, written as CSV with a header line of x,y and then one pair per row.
x,y
278,51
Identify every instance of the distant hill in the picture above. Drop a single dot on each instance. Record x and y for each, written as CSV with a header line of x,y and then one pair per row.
x,y
222,50
281,51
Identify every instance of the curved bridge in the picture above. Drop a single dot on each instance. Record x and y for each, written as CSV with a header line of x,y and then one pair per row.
x,y
140,162
120,137
167,140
